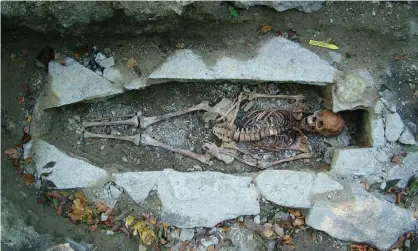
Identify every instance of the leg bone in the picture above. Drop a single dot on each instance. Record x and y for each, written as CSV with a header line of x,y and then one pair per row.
x,y
203,158
136,139
254,95
264,165
147,121
132,121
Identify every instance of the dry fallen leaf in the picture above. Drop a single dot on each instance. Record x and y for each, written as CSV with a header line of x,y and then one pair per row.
x,y
268,230
295,212
147,236
180,45
60,59
77,56
29,178
139,227
129,220
24,52
81,196
298,222
16,163
12,153
211,248
26,138
92,228
59,211
152,220
132,62
101,207
266,28
287,240
396,160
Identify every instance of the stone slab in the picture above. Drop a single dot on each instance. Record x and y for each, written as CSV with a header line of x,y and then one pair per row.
x,y
67,172
138,184
278,60
305,6
362,219
354,90
75,83
378,132
394,127
407,137
294,188
408,169
203,199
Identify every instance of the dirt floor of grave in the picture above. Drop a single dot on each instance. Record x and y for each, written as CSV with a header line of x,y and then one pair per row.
x,y
363,45
188,131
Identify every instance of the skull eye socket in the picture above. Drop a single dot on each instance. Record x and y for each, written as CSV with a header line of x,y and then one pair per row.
x,y
314,119
320,124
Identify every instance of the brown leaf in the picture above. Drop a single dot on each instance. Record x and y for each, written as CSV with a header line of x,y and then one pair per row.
x,y
295,212
26,138
59,211
268,230
81,196
212,248
396,160
90,220
147,236
26,129
16,163
75,217
366,186
29,178
60,58
24,52
12,153
287,240
54,194
298,222
101,207
266,28
77,55
398,197
184,245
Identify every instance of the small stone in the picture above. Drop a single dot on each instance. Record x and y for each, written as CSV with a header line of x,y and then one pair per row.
x,y
329,196
103,217
374,13
107,51
335,57
124,159
102,147
257,219
77,118
393,127
241,219
197,168
187,234
212,240
109,232
113,113
331,20
12,57
406,137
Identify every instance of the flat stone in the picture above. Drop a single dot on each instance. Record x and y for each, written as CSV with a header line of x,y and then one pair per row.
x,y
108,194
360,162
324,184
203,199
280,6
107,62
278,60
354,90
67,172
138,184
124,76
74,83
378,132
393,127
61,247
408,169
406,137
379,107
362,219
187,234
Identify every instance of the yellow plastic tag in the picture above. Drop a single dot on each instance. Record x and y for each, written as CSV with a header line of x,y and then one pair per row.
x,y
323,44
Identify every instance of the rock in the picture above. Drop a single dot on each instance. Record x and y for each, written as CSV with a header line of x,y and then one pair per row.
x,y
408,169
74,83
68,172
124,159
324,184
187,234
243,239
257,219
109,194
278,185
406,137
335,57
393,127
354,90
378,132
106,62
342,140
204,199
379,107
351,162
61,247
278,60
362,219
138,184
280,6
212,240
124,76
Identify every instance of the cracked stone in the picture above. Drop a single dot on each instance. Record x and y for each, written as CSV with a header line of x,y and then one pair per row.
x,y
378,132
75,83
393,127
351,219
138,184
278,60
406,137
68,172
409,168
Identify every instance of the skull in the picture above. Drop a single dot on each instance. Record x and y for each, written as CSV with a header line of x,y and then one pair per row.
x,y
326,123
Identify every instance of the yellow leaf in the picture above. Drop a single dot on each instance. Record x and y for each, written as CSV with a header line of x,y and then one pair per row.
x,y
139,227
153,221
28,117
28,160
80,195
129,220
165,226
147,236
132,62
64,193
101,207
266,28
77,205
323,44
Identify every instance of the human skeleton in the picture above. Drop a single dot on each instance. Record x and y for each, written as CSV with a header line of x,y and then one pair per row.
x,y
272,129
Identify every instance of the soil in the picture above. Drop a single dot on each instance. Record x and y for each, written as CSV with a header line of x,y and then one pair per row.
x,y
375,41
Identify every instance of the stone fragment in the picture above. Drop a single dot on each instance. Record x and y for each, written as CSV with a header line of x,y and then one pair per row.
x,y
74,83
286,188
67,172
360,162
294,188
280,6
187,234
406,137
408,169
203,199
393,127
107,62
378,132
278,60
362,219
108,194
354,90
138,184
379,107
323,184
61,247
